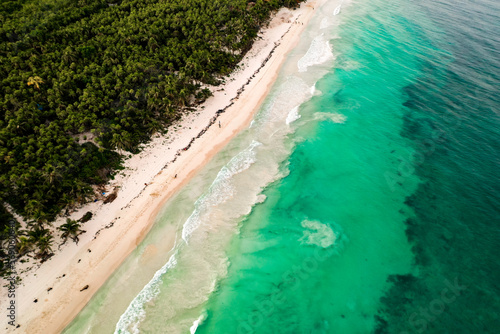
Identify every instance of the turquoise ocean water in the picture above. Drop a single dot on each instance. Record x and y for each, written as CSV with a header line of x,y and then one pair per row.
x,y
364,197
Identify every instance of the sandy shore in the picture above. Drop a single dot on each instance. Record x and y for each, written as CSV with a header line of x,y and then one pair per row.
x,y
165,165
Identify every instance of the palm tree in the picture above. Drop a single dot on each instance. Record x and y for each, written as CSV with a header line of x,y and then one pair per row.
x,y
24,245
45,247
43,240
121,141
37,233
70,229
51,174
36,80
32,208
68,55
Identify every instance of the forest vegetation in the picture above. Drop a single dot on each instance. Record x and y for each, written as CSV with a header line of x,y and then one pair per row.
x,y
82,80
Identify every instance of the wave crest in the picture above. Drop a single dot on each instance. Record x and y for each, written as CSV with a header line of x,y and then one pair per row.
x,y
293,115
135,313
221,189
319,52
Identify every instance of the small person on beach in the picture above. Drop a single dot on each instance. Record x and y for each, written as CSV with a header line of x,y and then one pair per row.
x,y
219,124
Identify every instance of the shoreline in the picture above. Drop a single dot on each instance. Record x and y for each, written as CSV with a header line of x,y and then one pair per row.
x,y
151,178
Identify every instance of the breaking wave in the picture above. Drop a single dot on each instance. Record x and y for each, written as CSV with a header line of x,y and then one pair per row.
x,y
293,115
319,52
198,322
221,189
135,313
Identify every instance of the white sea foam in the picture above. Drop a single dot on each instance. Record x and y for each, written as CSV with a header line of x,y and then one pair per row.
x,y
313,89
318,234
260,198
220,190
291,93
319,52
135,313
198,322
348,65
334,117
324,23
293,115
337,10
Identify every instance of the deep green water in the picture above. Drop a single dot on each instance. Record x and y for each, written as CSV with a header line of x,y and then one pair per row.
x,y
376,211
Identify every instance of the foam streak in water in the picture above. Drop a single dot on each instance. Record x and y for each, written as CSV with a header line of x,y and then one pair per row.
x,y
337,9
319,52
293,115
318,234
198,322
334,117
220,190
135,313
